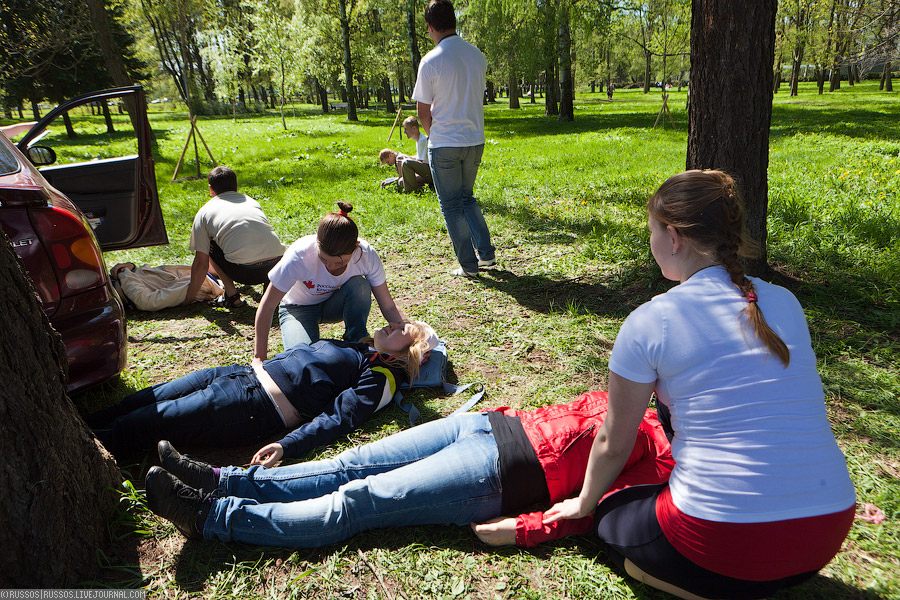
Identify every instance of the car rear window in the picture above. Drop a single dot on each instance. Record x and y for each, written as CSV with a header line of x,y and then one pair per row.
x,y
8,162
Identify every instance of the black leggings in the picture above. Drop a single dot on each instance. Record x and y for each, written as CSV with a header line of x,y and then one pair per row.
x,y
628,529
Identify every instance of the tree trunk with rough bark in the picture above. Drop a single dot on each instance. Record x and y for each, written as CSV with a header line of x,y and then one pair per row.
x,y
58,481
732,52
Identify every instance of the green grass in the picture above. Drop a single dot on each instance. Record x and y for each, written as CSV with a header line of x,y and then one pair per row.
x,y
564,202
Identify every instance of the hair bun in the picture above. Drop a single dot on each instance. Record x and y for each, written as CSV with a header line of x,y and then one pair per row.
x,y
345,207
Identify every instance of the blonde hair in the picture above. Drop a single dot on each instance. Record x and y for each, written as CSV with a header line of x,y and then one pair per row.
x,y
706,208
410,359
385,154
408,121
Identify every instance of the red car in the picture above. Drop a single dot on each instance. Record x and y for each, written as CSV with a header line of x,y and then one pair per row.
x,y
60,217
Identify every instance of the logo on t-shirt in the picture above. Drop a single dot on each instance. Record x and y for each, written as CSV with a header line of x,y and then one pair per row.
x,y
309,284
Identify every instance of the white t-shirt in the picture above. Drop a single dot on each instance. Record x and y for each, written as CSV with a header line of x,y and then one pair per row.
x,y
452,80
237,223
752,440
307,281
422,148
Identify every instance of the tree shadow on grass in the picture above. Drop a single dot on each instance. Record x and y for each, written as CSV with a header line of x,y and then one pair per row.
x,y
200,562
609,295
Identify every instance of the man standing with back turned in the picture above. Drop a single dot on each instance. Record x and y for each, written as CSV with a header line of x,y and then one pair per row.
x,y
449,96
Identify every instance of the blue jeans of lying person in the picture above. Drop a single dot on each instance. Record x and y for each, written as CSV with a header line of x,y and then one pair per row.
x,y
350,304
218,406
442,472
454,171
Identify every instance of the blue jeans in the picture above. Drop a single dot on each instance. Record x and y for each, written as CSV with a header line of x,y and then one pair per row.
x,y
454,171
350,304
441,472
218,406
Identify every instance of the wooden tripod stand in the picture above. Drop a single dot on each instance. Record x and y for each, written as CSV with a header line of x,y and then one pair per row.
x,y
194,133
664,109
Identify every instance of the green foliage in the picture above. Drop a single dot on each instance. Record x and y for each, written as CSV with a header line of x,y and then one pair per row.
x,y
564,202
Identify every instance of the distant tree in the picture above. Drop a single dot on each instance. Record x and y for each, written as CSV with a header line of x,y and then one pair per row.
x,y
564,56
511,50
275,45
57,50
732,52
58,490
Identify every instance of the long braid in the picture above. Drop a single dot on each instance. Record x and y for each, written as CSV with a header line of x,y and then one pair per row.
x,y
706,207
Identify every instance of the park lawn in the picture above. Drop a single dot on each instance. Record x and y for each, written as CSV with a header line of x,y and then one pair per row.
x,y
564,202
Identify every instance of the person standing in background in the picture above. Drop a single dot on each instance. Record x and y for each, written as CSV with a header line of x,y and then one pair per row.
x,y
449,96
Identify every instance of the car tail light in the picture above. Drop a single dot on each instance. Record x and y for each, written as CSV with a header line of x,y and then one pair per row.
x,y
72,249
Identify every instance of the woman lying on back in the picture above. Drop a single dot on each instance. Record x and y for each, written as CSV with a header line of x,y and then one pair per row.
x,y
313,393
467,468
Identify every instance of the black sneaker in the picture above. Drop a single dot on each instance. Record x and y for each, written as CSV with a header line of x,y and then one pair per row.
x,y
193,472
169,498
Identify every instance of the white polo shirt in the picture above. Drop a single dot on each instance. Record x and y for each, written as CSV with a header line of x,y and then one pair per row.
x,y
452,80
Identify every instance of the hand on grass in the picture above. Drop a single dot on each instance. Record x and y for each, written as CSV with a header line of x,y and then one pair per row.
x,y
496,532
268,455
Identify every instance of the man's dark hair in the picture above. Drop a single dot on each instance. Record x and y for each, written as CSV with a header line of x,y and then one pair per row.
x,y
222,179
440,15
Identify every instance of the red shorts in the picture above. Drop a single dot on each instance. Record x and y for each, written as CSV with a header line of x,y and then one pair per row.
x,y
754,551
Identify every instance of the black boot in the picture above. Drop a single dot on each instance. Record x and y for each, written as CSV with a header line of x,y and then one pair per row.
x,y
171,499
194,473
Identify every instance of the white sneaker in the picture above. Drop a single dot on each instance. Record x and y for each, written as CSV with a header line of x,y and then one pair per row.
x,y
460,272
487,263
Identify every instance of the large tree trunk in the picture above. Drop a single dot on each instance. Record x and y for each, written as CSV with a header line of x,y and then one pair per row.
x,y
732,51
58,481
348,61
566,85
887,83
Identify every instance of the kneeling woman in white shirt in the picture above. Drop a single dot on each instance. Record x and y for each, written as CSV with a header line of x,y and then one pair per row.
x,y
324,278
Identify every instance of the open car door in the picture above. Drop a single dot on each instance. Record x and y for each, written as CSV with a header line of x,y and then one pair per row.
x,y
114,182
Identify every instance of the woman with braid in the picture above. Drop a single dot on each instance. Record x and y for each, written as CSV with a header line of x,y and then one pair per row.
x,y
760,497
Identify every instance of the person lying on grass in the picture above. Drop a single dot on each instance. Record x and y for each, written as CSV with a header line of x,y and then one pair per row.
x,y
316,392
471,468
760,497
327,277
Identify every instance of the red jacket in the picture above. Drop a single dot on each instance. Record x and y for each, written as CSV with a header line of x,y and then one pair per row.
x,y
562,436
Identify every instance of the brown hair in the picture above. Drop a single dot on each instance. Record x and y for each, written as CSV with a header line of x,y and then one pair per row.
x,y
408,121
222,179
337,233
706,208
410,359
